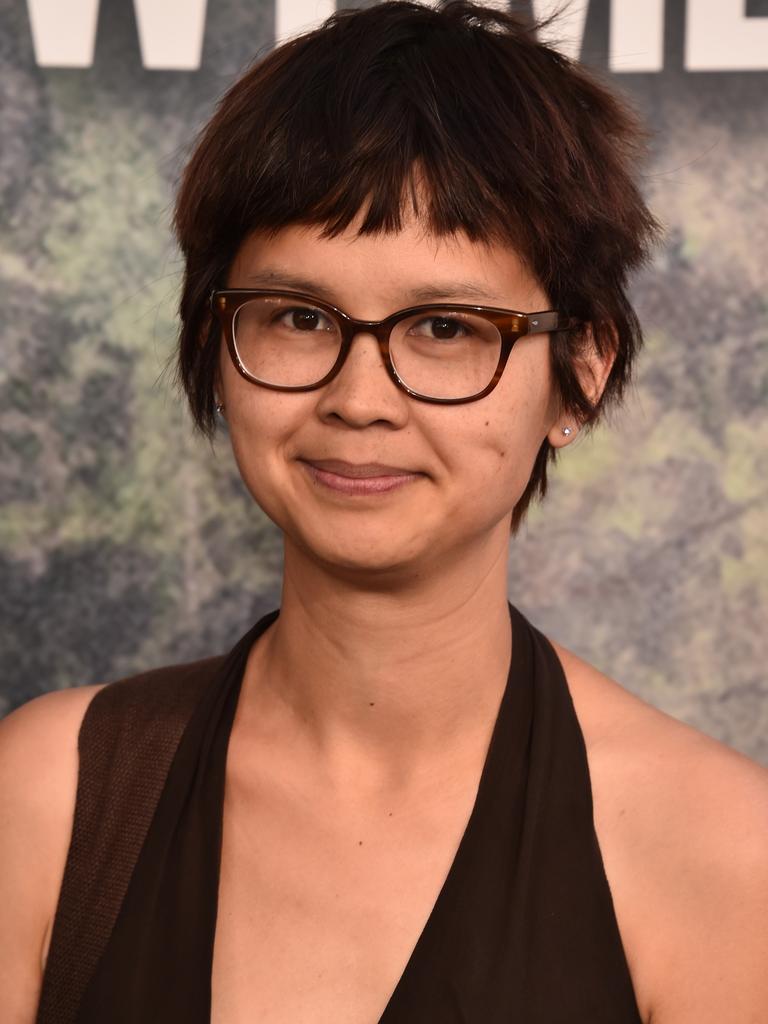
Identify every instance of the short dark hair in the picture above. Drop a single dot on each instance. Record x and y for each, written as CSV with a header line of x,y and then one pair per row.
x,y
515,142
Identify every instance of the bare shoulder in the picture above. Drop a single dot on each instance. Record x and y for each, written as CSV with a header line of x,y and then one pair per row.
x,y
38,784
682,821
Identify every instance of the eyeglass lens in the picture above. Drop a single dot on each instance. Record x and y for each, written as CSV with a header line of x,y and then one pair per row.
x,y
438,353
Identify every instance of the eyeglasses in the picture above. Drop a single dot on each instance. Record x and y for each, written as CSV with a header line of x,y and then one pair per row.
x,y
442,353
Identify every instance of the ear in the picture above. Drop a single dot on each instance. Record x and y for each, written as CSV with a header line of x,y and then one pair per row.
x,y
592,370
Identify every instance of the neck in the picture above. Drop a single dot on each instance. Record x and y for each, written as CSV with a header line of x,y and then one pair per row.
x,y
384,681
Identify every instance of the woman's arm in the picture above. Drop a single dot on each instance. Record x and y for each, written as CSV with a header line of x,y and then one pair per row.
x,y
38,784
701,860
718,970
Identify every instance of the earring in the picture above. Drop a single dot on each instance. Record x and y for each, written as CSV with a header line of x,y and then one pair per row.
x,y
219,408
567,431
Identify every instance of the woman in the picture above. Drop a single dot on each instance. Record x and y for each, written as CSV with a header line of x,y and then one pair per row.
x,y
407,236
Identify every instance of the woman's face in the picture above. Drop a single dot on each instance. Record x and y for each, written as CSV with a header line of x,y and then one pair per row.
x,y
473,460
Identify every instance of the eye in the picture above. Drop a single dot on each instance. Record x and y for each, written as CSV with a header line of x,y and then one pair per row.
x,y
303,318
443,327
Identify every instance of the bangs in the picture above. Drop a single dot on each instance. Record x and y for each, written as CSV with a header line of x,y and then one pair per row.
x,y
345,120
388,135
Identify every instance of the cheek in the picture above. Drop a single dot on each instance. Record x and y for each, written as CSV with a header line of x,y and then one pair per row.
x,y
485,473
505,459
261,425
257,417
499,450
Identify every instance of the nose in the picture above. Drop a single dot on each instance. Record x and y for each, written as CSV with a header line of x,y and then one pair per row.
x,y
362,391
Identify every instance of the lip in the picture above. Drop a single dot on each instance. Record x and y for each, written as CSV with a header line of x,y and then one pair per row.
x,y
358,478
358,470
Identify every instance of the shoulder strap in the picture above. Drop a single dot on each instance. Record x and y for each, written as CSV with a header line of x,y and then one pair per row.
x,y
126,743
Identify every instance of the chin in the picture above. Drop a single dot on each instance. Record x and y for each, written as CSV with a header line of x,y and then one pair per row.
x,y
390,558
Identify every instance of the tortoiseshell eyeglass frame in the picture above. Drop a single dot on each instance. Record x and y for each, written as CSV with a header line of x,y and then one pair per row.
x,y
511,324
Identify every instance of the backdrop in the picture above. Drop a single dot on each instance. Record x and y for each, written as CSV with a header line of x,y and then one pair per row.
x,y
126,542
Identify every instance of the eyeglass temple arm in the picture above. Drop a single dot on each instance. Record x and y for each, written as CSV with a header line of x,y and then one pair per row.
x,y
542,323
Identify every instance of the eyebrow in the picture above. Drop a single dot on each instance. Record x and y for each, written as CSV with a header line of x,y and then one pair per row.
x,y
466,290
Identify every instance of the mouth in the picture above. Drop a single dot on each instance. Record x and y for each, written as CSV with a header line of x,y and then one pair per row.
x,y
358,470
358,478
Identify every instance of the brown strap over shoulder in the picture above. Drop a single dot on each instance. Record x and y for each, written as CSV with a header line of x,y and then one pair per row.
x,y
126,744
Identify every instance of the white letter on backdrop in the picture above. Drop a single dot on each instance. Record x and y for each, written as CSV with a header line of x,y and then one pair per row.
x,y
63,34
566,34
292,17
636,35
718,37
170,32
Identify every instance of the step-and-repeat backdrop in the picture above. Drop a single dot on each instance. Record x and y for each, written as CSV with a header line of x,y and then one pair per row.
x,y
126,542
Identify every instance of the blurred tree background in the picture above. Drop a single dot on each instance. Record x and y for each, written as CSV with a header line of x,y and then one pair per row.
x,y
128,542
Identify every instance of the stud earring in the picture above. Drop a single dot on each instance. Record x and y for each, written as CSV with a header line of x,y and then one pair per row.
x,y
567,431
219,408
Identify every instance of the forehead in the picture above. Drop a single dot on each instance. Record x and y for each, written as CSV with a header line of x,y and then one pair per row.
x,y
401,267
